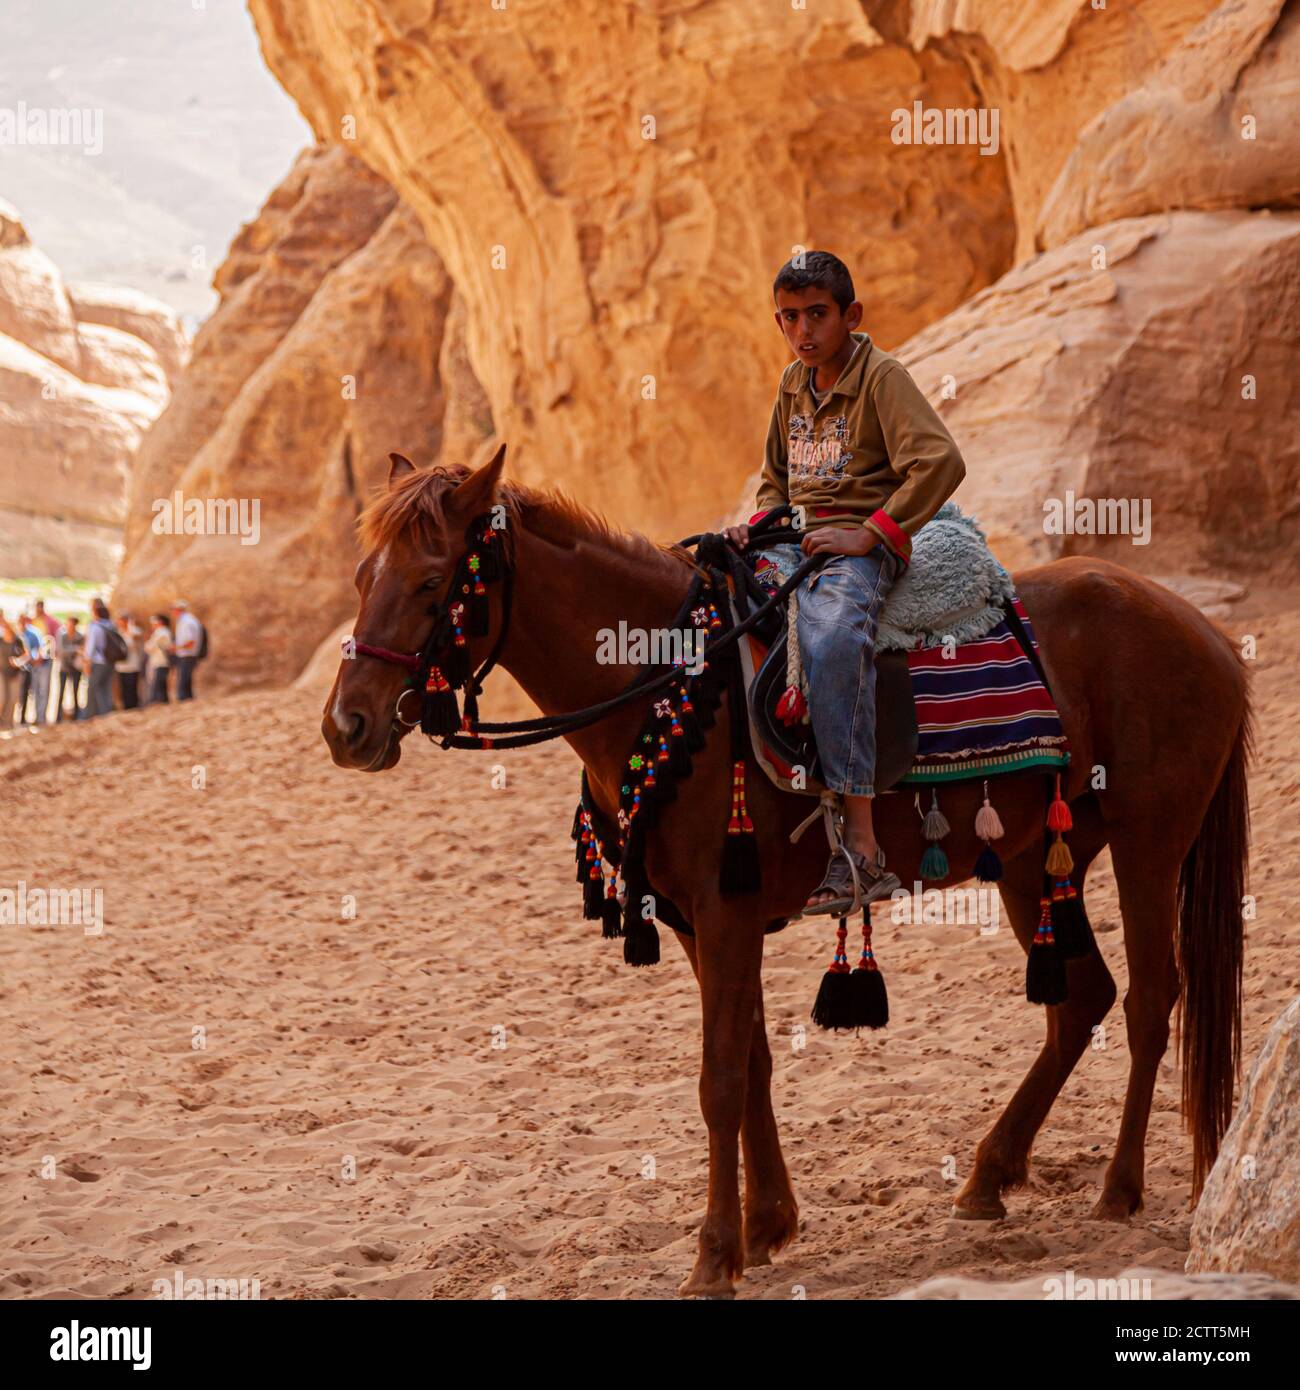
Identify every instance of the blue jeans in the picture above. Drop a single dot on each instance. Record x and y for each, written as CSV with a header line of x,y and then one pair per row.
x,y
839,606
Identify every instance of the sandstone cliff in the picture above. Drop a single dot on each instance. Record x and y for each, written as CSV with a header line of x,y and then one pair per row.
x,y
605,198
83,374
336,339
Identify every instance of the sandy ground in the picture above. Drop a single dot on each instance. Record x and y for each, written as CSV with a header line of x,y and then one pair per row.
x,y
568,1162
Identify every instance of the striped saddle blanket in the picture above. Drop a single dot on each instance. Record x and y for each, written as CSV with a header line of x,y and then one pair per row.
x,y
981,708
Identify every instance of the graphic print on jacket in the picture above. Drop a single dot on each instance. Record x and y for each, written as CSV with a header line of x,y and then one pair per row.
x,y
811,458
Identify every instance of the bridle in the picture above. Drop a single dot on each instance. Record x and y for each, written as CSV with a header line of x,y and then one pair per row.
x,y
442,666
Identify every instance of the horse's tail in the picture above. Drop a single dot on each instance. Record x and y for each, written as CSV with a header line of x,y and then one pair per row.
x,y
1211,884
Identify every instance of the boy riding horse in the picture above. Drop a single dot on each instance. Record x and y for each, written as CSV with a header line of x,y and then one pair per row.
x,y
859,450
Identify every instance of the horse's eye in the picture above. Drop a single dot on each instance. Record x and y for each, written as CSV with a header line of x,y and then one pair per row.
x,y
432,584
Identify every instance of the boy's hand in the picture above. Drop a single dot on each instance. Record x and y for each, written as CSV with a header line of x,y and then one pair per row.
x,y
839,540
738,536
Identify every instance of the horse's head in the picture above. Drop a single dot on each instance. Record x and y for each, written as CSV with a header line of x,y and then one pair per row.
x,y
413,535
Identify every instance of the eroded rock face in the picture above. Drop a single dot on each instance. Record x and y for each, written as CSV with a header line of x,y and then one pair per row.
x,y
1213,127
334,344
618,287
1248,1217
605,199
77,394
136,314
1049,69
1145,361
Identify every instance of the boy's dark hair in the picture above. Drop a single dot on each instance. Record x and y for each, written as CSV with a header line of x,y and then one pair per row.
x,y
821,271
100,608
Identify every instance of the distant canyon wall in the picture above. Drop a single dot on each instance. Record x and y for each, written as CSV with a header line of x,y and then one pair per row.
x,y
84,372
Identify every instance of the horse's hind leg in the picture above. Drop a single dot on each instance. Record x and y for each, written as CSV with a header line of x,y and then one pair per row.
x,y
1002,1158
771,1213
1148,885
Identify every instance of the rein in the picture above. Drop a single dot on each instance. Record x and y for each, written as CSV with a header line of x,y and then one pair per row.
x,y
441,666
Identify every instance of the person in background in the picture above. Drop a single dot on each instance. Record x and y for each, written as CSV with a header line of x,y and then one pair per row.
x,y
95,661
128,671
23,664
40,661
70,642
186,651
46,623
159,651
12,650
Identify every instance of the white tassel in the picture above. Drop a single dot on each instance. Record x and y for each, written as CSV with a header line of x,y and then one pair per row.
x,y
987,824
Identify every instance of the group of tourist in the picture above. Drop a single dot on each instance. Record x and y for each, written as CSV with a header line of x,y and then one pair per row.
x,y
114,656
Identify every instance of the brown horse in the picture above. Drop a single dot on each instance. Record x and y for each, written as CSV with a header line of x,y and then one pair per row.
x,y
1153,699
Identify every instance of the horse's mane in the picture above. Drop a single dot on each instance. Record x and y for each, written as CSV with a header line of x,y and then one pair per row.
x,y
415,502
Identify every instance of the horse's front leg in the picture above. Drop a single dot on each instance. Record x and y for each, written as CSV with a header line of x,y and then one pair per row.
x,y
729,958
771,1210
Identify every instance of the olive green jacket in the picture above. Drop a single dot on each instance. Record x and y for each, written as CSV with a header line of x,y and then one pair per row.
x,y
874,452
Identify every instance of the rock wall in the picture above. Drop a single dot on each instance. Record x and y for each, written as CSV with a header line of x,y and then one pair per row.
x,y
1248,1217
600,199
612,189
336,337
82,377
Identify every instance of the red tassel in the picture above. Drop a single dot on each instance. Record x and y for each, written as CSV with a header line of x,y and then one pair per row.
x,y
791,707
1058,813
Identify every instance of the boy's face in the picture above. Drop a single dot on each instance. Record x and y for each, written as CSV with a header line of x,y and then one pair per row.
x,y
813,325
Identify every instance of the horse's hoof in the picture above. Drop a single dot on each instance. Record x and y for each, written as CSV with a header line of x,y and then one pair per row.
x,y
721,1289
969,1210
1114,1209
755,1258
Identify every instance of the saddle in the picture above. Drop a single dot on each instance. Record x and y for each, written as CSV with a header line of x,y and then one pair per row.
x,y
954,590
781,748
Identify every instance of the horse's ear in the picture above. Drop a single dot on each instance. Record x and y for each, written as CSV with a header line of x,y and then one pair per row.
x,y
477,492
398,467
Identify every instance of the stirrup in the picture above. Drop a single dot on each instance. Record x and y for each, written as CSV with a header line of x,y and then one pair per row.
x,y
870,883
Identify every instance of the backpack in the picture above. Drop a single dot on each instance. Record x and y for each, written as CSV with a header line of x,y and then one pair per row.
x,y
115,648
202,650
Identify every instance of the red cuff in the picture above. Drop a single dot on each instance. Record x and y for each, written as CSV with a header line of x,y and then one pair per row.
x,y
758,516
895,537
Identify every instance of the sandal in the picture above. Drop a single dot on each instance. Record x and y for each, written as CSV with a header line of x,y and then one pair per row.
x,y
855,881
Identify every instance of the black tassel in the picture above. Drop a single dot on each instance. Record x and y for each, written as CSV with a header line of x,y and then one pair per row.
x,y
741,871
593,896
664,790
692,734
870,999
1071,928
988,867
834,1006
611,917
1045,973
641,944
488,543
439,712
480,615
455,664
640,935
679,757
576,831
